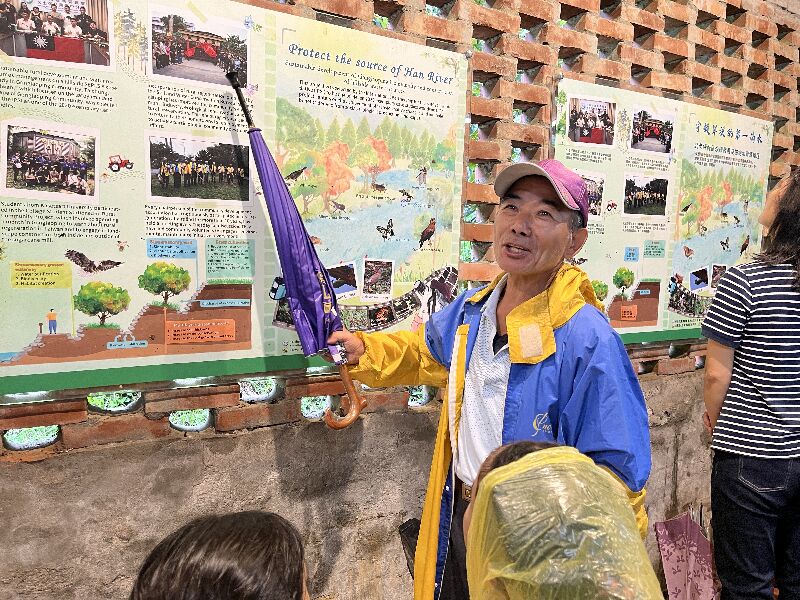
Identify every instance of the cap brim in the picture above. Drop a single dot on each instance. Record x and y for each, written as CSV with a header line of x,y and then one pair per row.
x,y
510,175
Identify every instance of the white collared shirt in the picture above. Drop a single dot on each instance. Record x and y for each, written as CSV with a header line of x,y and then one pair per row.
x,y
481,427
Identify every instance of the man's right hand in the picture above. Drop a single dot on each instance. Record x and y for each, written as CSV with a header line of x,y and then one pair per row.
x,y
353,346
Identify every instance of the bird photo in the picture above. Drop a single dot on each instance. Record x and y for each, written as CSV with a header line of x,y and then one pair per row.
x,y
87,264
377,279
388,231
343,280
427,233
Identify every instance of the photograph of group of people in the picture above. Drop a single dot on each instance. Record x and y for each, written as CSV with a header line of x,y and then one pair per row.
x,y
56,31
652,132
645,195
187,168
591,121
180,49
42,160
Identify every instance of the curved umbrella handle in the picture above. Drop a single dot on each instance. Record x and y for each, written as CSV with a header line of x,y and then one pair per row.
x,y
356,403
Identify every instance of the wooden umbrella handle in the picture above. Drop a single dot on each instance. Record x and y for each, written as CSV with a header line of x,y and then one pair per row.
x,y
356,403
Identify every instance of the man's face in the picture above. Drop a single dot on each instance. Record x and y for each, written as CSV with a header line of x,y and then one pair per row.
x,y
532,236
49,18
83,11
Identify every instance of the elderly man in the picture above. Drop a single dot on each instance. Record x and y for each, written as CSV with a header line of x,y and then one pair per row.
x,y
528,357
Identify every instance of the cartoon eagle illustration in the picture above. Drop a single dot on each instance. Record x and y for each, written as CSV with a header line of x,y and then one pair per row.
x,y
427,233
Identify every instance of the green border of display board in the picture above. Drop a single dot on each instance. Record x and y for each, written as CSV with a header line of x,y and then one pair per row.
x,y
51,382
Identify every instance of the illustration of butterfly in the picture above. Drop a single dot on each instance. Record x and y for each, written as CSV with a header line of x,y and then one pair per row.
x,y
387,231
725,243
87,264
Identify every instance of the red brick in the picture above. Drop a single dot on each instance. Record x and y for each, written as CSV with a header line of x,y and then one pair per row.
x,y
779,169
370,27
705,38
778,47
730,63
355,9
258,415
720,93
37,414
504,66
673,10
756,86
546,10
110,429
730,31
485,16
480,271
783,110
487,150
534,94
527,50
754,55
781,140
605,27
714,7
780,78
609,69
477,232
762,25
314,386
792,38
672,366
678,83
701,71
492,108
530,134
558,36
191,398
434,27
385,402
637,16
645,58
663,43
480,192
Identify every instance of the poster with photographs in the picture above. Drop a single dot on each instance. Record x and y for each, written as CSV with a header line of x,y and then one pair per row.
x,y
135,230
675,190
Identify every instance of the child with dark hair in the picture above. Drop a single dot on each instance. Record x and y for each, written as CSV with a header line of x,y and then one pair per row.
x,y
239,556
546,523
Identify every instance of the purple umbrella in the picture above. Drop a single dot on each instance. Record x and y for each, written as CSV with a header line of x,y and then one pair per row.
x,y
308,286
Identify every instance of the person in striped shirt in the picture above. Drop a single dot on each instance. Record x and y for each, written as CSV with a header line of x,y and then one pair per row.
x,y
752,399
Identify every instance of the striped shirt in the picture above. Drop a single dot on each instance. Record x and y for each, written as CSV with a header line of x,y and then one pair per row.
x,y
756,312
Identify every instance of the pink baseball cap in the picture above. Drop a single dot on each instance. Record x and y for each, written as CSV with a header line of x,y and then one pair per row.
x,y
570,187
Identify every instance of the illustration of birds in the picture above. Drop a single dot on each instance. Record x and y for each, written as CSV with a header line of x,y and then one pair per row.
x,y
407,197
378,187
314,239
687,207
579,261
428,232
121,244
703,229
678,278
338,206
726,245
687,251
745,244
724,216
387,231
295,174
736,220
87,264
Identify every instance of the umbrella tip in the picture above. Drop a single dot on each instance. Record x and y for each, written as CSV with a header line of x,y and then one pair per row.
x,y
233,77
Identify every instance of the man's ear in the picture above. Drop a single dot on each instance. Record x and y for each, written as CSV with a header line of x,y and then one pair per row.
x,y
578,239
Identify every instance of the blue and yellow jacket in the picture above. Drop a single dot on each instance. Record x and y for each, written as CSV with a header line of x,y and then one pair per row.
x,y
571,382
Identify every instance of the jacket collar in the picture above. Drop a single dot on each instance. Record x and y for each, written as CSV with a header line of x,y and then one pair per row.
x,y
531,325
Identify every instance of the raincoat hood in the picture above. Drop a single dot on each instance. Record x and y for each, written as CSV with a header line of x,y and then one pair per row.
x,y
555,526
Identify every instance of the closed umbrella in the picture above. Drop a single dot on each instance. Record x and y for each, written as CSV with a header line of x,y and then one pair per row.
x,y
687,559
308,286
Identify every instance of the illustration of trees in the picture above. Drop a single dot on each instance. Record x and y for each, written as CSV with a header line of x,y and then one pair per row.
x,y
727,196
337,172
100,299
363,131
706,207
294,129
600,289
623,279
164,279
348,135
334,133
